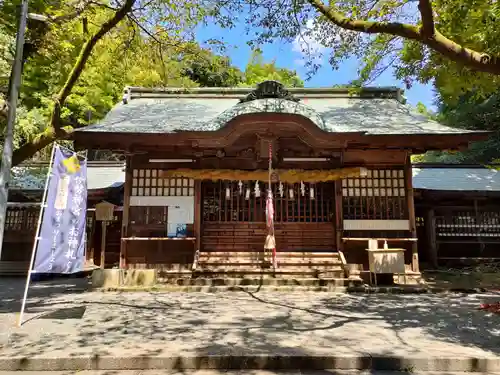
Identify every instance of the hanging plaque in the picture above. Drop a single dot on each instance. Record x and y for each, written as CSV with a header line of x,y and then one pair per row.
x,y
104,211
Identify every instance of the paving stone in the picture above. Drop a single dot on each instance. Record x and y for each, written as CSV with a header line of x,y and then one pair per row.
x,y
65,322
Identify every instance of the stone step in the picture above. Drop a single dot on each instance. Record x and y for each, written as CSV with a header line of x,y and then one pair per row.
x,y
267,265
236,288
247,281
285,273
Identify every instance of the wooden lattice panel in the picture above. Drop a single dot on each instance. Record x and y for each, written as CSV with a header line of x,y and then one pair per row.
x,y
468,224
148,182
18,219
234,201
379,195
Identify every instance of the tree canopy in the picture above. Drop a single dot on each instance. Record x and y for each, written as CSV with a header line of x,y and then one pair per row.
x,y
470,112
60,93
454,42
450,44
77,63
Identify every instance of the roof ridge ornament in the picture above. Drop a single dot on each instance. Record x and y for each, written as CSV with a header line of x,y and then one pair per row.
x,y
270,89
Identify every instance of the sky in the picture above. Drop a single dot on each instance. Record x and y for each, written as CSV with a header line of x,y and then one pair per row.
x,y
289,55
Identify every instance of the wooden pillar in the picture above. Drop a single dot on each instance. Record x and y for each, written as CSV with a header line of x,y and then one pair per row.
x,y
125,215
197,214
90,241
103,244
430,232
339,222
411,213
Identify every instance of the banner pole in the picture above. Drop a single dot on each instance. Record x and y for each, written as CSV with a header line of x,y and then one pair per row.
x,y
35,243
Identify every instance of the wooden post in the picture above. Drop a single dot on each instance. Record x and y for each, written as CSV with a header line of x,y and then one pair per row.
x,y
411,212
430,231
91,240
339,222
197,214
104,212
127,191
103,242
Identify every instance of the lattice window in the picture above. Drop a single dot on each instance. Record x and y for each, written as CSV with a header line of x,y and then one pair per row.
x,y
379,195
148,220
21,218
232,201
147,182
468,223
14,219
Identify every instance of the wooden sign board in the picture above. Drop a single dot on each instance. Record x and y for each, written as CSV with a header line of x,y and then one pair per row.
x,y
104,211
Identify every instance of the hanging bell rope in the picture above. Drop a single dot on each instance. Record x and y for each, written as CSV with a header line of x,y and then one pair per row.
x,y
270,243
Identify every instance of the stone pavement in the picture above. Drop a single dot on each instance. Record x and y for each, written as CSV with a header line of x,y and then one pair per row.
x,y
241,372
69,328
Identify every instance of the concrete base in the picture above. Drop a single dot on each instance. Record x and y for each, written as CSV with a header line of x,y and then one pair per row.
x,y
254,362
116,278
144,278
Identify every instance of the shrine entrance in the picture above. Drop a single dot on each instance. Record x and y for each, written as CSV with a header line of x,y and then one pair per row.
x,y
233,217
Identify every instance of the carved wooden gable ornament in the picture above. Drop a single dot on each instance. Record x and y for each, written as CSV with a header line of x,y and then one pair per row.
x,y
270,90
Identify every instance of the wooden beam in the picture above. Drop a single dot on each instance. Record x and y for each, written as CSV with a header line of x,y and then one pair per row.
x,y
374,157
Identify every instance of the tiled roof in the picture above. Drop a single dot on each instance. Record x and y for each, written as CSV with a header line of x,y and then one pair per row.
x,y
99,176
456,179
374,111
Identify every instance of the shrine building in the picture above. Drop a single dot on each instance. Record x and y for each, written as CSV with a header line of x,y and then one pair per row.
x,y
199,162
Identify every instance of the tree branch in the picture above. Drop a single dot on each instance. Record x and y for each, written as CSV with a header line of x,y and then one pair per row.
x,y
27,150
84,55
478,61
55,130
425,8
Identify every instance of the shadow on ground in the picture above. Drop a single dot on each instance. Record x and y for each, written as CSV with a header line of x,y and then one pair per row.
x,y
240,324
39,292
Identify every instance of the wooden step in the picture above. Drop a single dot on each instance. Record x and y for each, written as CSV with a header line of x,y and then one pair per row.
x,y
12,268
285,262
257,248
254,270
236,268
294,254
284,236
